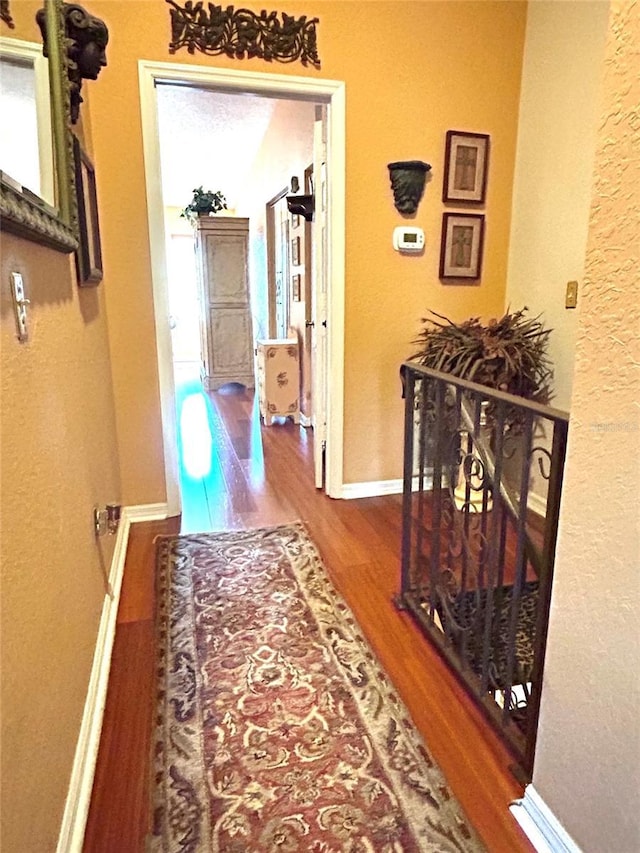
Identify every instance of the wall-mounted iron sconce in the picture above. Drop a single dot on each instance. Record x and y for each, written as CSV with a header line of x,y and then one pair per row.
x,y
302,205
106,520
407,182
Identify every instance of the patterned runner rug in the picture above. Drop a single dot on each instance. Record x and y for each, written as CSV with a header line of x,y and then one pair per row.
x,y
275,728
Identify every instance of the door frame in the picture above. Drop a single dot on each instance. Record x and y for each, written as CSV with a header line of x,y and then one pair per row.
x,y
330,92
271,229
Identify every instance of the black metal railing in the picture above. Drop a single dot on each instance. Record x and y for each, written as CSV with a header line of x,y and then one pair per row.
x,y
482,482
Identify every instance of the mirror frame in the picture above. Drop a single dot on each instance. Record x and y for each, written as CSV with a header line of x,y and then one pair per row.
x,y
22,212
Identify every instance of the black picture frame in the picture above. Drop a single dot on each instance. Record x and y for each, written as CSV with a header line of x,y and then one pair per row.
x,y
461,246
89,253
466,166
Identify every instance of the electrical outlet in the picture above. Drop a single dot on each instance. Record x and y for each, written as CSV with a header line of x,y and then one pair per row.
x,y
571,296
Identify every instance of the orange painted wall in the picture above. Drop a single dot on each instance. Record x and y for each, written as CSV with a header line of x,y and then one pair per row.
x,y
412,70
59,458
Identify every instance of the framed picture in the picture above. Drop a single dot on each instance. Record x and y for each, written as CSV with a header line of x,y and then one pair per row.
x,y
295,251
295,288
461,247
466,162
89,254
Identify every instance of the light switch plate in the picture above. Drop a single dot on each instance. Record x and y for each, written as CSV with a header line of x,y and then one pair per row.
x,y
571,297
20,303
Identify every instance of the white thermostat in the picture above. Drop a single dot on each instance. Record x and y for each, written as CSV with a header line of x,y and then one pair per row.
x,y
408,239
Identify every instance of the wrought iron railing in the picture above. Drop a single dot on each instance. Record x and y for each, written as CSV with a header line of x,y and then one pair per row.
x,y
482,482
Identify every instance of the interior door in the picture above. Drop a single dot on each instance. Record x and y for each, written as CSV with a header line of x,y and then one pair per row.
x,y
319,368
300,305
278,265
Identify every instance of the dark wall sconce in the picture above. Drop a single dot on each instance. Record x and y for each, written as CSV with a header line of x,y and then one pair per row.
x,y
408,178
303,205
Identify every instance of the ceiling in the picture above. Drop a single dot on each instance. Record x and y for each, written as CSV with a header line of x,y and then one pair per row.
x,y
208,139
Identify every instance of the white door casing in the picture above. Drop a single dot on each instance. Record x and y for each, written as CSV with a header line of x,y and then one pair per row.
x,y
329,92
319,307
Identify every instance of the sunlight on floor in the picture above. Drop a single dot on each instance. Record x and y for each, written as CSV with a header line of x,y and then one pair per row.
x,y
221,454
196,436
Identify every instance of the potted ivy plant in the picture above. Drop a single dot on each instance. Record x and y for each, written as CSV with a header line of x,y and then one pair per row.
x,y
204,203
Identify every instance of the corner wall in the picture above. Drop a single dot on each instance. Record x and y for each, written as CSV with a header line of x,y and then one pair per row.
x,y
561,76
587,762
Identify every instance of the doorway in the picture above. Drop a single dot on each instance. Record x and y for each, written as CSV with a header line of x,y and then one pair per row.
x,y
278,264
331,93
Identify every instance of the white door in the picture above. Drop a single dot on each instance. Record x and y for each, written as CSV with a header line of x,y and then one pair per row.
x,y
282,267
319,371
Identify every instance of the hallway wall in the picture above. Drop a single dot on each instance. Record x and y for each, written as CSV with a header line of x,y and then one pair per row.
x,y
554,170
413,70
286,149
59,458
587,763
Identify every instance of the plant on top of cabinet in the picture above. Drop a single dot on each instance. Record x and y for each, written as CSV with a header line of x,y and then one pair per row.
x,y
204,203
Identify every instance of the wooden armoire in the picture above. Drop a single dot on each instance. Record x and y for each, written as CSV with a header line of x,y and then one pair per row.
x,y
222,249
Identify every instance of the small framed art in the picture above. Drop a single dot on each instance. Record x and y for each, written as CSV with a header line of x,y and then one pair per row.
x,y
295,288
89,253
461,245
466,163
295,251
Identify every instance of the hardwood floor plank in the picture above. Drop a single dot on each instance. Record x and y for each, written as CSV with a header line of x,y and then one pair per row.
x,y
359,542
119,812
137,594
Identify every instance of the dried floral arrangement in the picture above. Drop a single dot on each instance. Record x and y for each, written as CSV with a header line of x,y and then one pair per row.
x,y
509,354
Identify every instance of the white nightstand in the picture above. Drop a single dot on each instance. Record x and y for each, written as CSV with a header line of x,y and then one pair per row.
x,y
279,379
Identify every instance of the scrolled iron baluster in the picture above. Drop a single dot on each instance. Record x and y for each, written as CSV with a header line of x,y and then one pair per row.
x,y
544,454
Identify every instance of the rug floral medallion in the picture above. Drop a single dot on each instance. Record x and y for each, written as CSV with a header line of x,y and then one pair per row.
x,y
276,729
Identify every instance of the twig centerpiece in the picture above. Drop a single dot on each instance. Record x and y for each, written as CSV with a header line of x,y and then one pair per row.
x,y
509,354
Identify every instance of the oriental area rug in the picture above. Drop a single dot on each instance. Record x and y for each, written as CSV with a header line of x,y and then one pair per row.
x,y
275,728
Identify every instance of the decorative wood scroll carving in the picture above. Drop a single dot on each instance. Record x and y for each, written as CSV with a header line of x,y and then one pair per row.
x,y
5,14
242,33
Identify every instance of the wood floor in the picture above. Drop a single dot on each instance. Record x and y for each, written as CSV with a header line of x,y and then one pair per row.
x,y
255,476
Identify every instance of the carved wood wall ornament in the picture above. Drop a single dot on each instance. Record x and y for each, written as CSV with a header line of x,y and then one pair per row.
x,y
5,14
242,33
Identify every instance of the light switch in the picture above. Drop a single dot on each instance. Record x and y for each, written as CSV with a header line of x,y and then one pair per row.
x,y
20,303
571,297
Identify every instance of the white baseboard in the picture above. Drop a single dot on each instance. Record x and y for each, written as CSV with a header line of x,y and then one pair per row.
x,y
540,825
76,810
376,488
371,489
146,512
537,504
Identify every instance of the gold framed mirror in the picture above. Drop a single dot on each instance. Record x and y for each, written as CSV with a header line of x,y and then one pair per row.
x,y
21,211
